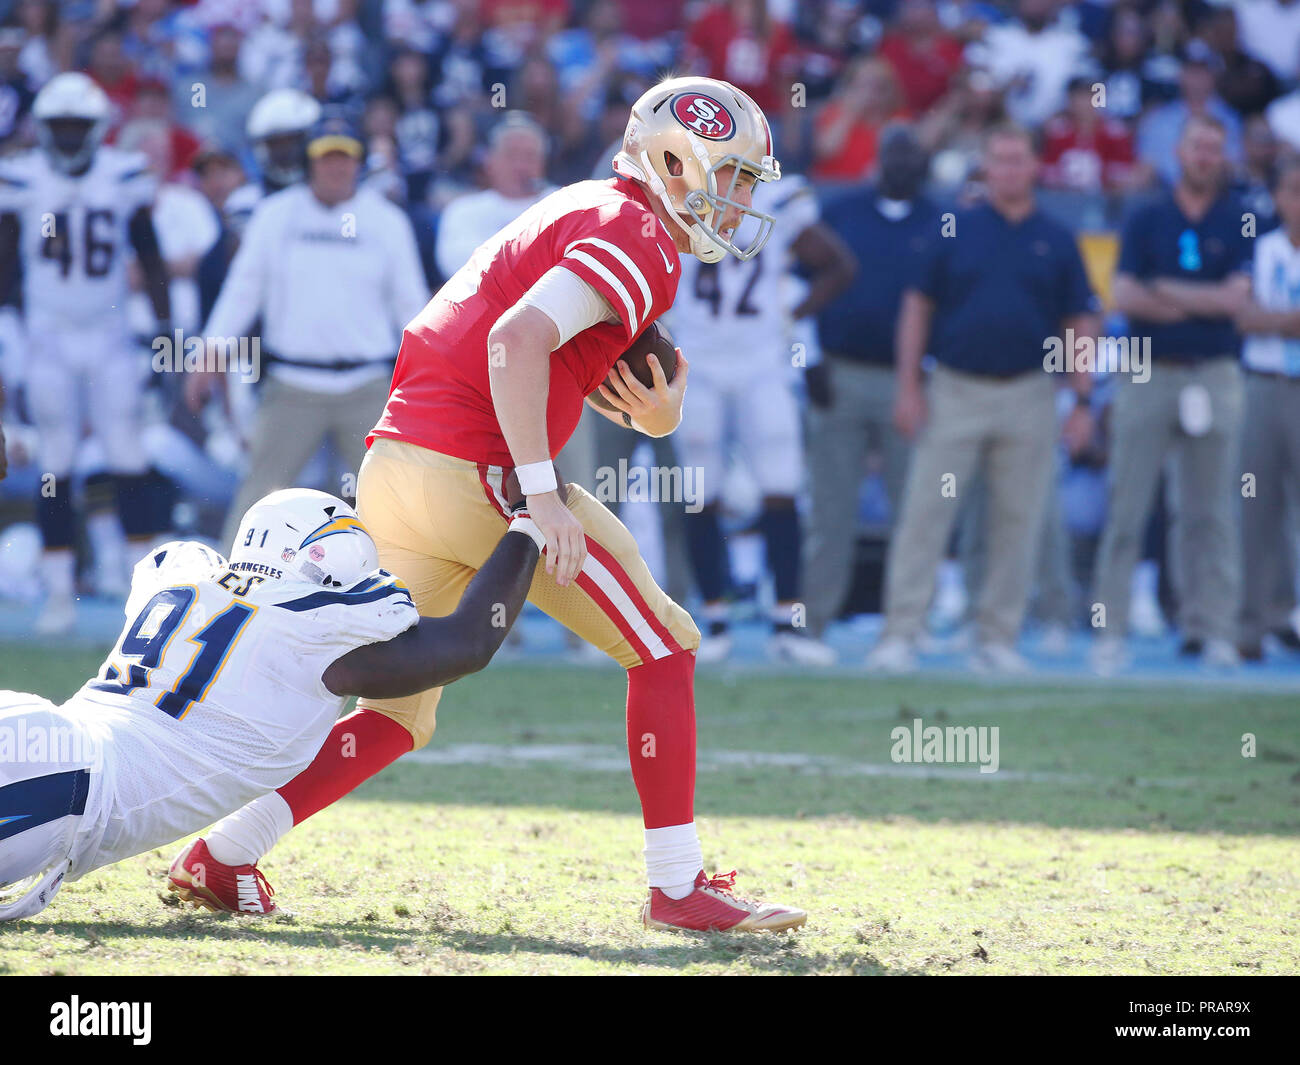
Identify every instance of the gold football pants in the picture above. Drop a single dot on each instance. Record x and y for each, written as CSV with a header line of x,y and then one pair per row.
x,y
435,520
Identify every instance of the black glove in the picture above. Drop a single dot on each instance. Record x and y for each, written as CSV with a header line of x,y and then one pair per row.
x,y
817,382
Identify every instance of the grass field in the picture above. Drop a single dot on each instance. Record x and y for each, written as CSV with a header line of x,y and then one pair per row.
x,y
1123,833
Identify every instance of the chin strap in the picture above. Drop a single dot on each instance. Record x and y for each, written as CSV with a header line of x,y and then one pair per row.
x,y
702,246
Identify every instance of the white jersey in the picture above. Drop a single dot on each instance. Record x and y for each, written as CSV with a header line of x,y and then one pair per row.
x,y
1276,283
734,312
244,200
74,234
213,694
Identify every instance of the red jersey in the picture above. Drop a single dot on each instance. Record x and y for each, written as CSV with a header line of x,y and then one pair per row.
x,y
1087,160
761,66
924,73
607,234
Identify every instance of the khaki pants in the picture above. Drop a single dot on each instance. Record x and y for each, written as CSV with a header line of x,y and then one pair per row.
x,y
1145,428
1054,602
1004,428
291,425
860,418
1270,452
436,519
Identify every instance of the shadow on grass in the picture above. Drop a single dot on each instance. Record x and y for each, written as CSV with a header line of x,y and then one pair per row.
x,y
417,946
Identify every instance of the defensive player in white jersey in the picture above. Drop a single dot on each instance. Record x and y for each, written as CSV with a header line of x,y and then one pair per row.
x,y
222,687
73,211
277,127
751,323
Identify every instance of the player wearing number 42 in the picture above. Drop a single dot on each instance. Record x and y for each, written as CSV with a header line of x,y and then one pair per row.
x,y
224,683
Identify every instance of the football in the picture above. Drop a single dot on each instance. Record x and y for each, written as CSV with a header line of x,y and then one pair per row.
x,y
654,338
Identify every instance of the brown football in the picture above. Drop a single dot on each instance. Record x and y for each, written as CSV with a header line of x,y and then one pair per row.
x,y
654,338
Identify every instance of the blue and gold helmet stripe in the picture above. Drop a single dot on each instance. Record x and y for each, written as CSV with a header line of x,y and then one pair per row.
x,y
334,525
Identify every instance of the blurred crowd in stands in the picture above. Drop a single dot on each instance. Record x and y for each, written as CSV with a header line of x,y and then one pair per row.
x,y
467,111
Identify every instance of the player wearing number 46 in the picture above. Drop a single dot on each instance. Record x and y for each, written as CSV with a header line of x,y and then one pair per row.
x,y
225,682
69,210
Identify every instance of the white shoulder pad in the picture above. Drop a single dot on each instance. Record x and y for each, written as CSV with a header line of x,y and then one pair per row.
x,y
243,200
176,562
374,609
136,185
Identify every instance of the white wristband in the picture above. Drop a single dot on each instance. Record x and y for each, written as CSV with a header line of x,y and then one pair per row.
x,y
536,477
526,525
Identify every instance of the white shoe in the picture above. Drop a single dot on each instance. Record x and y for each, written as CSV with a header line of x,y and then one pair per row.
x,y
713,649
801,650
995,658
1108,656
1056,641
1220,654
1145,618
892,655
58,616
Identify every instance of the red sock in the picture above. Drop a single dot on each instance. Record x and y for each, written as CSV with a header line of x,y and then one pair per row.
x,y
357,748
661,738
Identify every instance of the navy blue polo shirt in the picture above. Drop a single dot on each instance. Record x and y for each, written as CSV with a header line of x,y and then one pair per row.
x,y
1000,289
859,323
1160,241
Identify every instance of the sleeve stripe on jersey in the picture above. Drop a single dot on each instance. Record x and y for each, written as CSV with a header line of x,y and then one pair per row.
x,y
625,261
619,288
320,599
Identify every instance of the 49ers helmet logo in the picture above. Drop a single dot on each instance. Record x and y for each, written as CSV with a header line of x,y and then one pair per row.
x,y
704,116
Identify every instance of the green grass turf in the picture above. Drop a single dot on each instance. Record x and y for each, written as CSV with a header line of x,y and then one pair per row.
x,y
1125,834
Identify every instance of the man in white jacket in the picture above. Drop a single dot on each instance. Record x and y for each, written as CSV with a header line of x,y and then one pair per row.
x,y
334,273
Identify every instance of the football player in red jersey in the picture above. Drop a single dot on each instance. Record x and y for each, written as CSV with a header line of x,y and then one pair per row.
x,y
490,381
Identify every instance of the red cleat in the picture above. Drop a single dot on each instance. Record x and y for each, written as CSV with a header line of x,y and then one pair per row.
x,y
199,879
711,907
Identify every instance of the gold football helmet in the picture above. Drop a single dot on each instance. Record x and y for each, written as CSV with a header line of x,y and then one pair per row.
x,y
697,127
